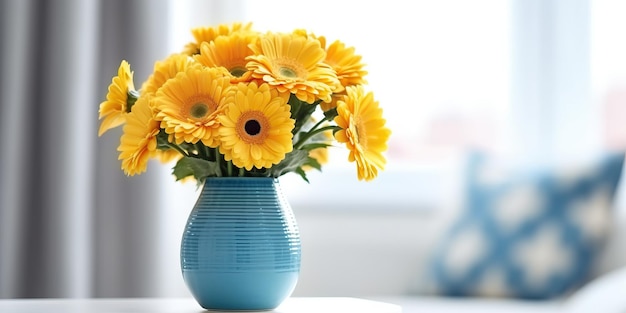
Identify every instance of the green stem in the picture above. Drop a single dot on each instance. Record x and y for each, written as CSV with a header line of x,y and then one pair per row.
x,y
241,172
312,129
218,161
201,151
312,133
207,152
177,148
230,168
318,124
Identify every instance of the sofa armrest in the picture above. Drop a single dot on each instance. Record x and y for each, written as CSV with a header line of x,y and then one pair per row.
x,y
603,294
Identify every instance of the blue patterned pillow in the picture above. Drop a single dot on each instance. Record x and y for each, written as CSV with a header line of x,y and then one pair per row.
x,y
526,233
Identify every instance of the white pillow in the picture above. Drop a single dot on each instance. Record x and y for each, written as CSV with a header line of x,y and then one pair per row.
x,y
529,231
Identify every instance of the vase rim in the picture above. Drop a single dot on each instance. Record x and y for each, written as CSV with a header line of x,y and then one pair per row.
x,y
247,179
241,178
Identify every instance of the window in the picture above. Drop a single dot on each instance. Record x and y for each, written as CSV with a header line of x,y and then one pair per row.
x,y
542,77
440,70
608,59
608,75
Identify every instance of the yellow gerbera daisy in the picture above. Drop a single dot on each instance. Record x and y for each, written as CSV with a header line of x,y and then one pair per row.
x,y
363,131
349,70
346,64
119,99
306,34
189,103
293,63
256,126
325,106
229,52
164,70
138,142
208,34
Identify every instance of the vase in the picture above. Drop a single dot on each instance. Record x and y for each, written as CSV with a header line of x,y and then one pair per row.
x,y
240,248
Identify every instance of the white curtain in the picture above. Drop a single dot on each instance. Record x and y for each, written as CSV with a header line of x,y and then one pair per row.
x,y
71,224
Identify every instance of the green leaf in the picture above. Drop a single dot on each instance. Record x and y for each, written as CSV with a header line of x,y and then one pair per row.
x,y
292,161
162,142
295,104
301,111
331,114
199,168
302,174
313,146
313,163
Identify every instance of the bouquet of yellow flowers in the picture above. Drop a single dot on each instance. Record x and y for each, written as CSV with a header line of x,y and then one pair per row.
x,y
238,102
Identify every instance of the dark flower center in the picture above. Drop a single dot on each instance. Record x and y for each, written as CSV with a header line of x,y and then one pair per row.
x,y
287,72
238,71
252,127
199,110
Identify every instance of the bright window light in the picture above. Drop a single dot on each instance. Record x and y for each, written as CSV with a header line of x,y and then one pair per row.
x,y
440,70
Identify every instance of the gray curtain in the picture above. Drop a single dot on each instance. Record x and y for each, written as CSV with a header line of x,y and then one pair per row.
x,y
71,224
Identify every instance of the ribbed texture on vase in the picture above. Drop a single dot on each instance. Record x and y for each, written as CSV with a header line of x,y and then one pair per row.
x,y
241,225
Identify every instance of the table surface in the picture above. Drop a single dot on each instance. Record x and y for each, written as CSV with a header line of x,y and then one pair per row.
x,y
189,305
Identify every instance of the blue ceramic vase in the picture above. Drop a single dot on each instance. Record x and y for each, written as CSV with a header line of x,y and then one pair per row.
x,y
241,245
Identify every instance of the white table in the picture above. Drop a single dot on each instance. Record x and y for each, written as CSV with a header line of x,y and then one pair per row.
x,y
188,305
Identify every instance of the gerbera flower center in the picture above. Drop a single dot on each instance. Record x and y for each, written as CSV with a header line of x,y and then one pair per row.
x,y
199,110
238,71
289,69
287,72
357,131
253,127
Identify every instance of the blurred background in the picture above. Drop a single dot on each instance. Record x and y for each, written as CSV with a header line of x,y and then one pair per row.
x,y
532,78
